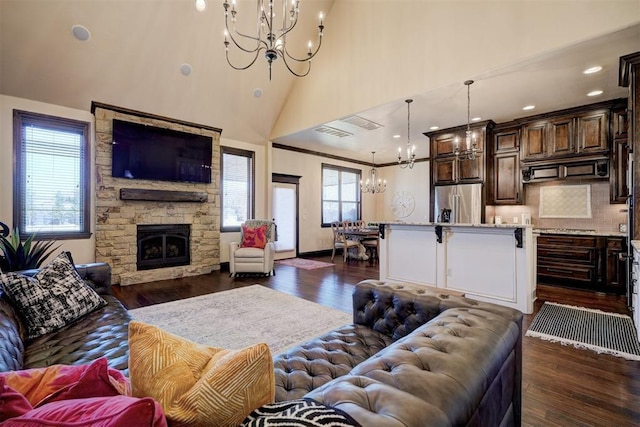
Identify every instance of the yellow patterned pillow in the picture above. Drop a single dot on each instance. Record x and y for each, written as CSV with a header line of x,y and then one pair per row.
x,y
195,384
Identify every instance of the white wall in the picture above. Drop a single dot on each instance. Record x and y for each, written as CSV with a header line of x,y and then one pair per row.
x,y
416,181
83,251
374,207
312,236
263,189
411,46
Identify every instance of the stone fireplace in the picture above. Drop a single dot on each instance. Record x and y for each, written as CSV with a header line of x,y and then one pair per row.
x,y
122,205
161,246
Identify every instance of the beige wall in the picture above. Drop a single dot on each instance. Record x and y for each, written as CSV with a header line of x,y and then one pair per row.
x,y
312,236
374,207
83,250
428,48
263,190
416,181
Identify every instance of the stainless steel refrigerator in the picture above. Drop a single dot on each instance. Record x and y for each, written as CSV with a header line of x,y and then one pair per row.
x,y
460,203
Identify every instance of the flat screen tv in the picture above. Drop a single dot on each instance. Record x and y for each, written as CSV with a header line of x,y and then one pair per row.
x,y
148,152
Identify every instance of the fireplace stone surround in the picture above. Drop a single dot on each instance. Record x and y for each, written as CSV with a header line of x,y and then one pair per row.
x,y
117,218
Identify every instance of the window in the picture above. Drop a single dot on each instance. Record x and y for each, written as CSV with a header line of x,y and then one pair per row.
x,y
237,188
340,194
51,176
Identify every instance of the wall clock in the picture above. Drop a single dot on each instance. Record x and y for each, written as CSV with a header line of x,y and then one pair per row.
x,y
402,204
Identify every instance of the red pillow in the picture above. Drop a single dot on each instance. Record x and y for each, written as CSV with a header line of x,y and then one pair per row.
x,y
115,411
254,237
61,382
12,403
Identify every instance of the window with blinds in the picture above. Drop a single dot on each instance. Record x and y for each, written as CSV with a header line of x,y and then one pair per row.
x,y
51,190
237,170
340,194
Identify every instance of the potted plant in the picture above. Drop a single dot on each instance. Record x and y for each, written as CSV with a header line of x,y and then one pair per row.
x,y
18,255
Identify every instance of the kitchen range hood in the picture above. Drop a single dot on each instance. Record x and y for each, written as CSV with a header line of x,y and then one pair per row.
x,y
567,169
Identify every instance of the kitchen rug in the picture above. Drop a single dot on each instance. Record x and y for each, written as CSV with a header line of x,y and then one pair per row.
x,y
585,328
306,264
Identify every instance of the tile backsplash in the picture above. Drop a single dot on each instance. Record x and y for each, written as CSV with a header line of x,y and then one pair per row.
x,y
604,216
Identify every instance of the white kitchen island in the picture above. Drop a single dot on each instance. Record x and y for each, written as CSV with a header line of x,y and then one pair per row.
x,y
492,263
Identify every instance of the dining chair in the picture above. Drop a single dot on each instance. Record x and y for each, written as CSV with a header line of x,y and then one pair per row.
x,y
371,245
340,241
361,224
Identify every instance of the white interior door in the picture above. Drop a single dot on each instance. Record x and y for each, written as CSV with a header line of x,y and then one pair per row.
x,y
285,213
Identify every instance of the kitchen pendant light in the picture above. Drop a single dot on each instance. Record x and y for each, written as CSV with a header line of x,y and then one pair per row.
x,y
374,184
411,149
471,144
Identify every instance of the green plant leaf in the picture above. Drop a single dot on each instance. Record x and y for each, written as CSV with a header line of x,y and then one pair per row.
x,y
23,256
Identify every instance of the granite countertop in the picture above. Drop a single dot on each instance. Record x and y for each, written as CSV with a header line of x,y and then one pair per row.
x,y
569,231
636,244
448,224
578,232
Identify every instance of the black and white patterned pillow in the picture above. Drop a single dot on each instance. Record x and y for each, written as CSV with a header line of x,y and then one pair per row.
x,y
303,412
55,297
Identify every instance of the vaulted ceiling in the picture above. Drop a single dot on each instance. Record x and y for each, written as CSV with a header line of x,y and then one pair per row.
x,y
375,54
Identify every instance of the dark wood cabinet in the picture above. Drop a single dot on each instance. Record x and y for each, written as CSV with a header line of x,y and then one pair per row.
x,y
447,168
615,266
505,182
567,260
620,123
618,180
593,132
444,170
583,262
534,141
561,137
569,133
471,170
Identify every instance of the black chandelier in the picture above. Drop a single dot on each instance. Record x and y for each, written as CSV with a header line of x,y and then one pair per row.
x,y
268,38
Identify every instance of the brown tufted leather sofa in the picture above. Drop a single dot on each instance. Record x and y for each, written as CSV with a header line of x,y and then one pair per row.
x,y
413,357
103,332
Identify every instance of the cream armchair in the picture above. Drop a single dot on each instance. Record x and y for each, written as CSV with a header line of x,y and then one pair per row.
x,y
253,260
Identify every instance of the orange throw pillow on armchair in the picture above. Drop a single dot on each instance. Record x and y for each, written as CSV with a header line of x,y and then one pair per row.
x,y
254,237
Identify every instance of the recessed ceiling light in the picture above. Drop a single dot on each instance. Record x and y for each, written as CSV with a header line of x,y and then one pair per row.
x,y
185,69
257,92
396,136
80,32
528,107
595,93
593,69
434,128
476,119
201,5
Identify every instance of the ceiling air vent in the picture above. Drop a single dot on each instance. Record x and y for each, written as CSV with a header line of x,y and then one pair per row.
x,y
328,130
361,123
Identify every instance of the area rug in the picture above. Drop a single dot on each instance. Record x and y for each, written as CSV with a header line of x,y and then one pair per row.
x,y
609,333
244,316
306,264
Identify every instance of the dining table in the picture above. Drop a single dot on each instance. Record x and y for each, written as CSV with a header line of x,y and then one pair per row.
x,y
361,234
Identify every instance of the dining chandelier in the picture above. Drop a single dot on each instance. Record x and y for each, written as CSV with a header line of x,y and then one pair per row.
x,y
471,144
411,149
374,184
268,37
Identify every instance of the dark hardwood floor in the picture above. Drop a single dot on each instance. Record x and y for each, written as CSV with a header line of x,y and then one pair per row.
x,y
562,386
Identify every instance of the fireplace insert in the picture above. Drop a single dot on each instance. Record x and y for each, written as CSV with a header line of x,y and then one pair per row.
x,y
165,245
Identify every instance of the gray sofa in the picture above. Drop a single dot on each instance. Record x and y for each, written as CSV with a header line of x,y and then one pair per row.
x,y
413,357
104,332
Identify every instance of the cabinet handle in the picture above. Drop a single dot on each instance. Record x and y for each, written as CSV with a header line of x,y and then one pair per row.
x,y
558,270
